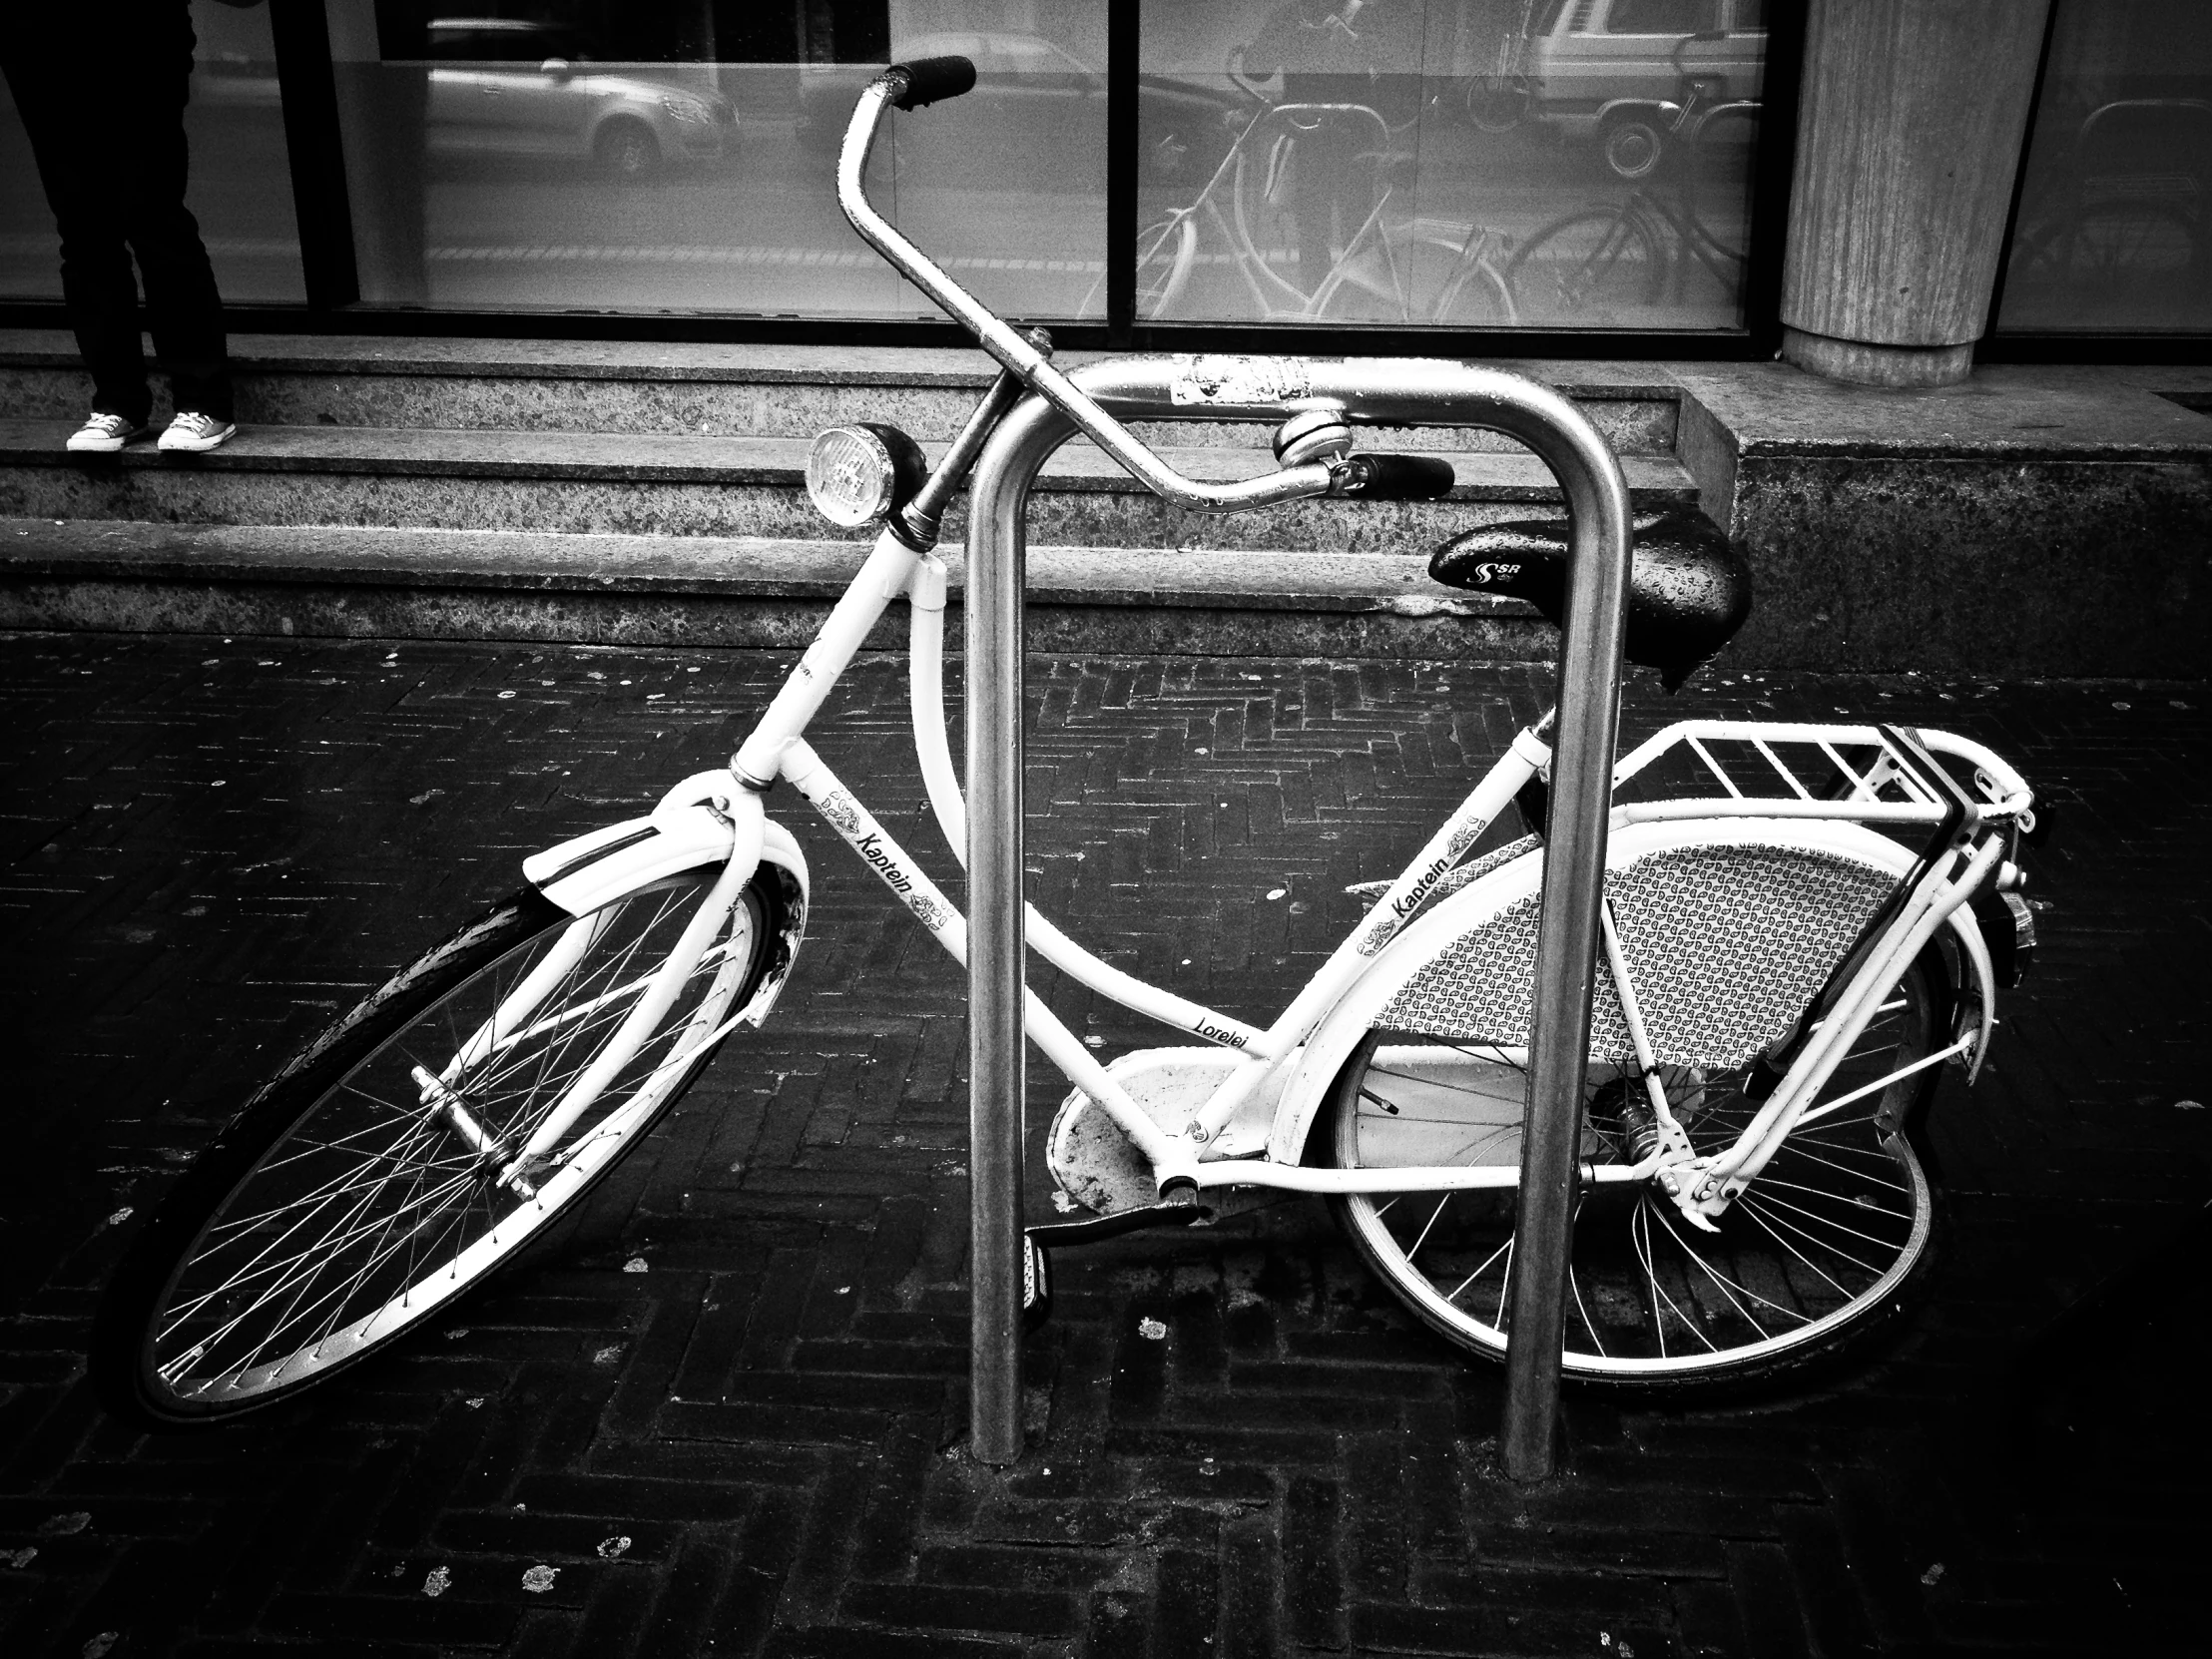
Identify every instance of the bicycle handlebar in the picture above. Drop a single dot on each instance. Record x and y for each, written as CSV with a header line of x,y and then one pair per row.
x,y
934,76
1381,476
930,79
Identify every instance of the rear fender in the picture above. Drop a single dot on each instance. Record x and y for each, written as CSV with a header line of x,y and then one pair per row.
x,y
1482,903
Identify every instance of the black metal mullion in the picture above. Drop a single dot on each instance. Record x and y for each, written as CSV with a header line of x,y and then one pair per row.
x,y
1122,138
308,86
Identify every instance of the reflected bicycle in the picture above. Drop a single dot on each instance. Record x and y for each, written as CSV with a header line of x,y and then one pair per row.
x,y
1610,265
1387,268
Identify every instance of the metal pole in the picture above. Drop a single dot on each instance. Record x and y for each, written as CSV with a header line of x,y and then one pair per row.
x,y
1426,392
1566,951
996,1058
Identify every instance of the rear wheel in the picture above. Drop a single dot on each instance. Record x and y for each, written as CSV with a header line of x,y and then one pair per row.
x,y
376,1178
1819,1248
1432,273
1498,103
1593,268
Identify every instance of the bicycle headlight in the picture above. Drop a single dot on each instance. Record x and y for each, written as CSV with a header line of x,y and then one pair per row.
x,y
857,475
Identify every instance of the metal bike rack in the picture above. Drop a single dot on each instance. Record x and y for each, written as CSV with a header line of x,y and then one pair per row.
x,y
1414,391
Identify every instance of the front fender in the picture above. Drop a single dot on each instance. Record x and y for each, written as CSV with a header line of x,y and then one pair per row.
x,y
593,869
1473,954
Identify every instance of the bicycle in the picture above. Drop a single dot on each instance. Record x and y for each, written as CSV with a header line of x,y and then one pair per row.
x,y
1422,271
1598,267
2117,229
1779,981
1501,98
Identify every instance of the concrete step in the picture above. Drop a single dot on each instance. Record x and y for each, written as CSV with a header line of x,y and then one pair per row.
x,y
676,485
704,390
140,577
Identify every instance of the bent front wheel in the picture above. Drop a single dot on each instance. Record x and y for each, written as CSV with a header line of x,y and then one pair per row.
x,y
382,1174
1818,1250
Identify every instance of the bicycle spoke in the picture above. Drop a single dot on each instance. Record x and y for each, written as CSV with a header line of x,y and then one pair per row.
x,y
1768,1183
1817,1217
1424,1232
298,1278
1728,1287
1758,1215
1836,1205
355,1204
324,1247
367,1189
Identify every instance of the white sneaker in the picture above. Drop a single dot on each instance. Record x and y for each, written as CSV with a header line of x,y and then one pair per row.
x,y
104,434
194,434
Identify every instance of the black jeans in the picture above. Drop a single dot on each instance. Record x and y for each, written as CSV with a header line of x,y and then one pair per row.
x,y
101,92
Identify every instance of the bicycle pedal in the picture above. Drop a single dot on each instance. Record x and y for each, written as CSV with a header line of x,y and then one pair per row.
x,y
1112,1227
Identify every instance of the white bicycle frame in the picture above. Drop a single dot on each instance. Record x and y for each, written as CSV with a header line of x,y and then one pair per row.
x,y
720,813
1264,1056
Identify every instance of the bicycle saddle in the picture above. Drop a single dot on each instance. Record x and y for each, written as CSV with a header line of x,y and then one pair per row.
x,y
1689,590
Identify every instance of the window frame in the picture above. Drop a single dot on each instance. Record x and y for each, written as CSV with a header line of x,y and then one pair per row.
x,y
334,307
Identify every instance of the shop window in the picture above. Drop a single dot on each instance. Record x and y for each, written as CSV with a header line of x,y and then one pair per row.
x,y
623,156
2111,233
240,180
1578,164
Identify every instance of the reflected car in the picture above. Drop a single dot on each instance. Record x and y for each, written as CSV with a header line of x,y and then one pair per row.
x,y
507,86
1037,105
1605,69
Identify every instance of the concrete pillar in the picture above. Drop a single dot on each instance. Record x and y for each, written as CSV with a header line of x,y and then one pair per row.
x,y
1908,140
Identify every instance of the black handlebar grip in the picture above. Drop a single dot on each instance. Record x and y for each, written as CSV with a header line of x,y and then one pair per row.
x,y
930,79
1383,478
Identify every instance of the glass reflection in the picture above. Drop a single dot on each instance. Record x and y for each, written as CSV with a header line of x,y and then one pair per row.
x,y
607,154
1552,163
240,171
2111,229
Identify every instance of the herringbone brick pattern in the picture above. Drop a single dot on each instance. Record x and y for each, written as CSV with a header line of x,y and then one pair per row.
x,y
720,1411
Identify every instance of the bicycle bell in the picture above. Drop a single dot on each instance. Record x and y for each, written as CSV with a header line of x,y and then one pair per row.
x,y
1316,435
857,475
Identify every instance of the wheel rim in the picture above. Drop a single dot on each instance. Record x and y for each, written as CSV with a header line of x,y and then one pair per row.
x,y
1593,269
1450,283
1497,104
1633,151
374,1209
1828,1231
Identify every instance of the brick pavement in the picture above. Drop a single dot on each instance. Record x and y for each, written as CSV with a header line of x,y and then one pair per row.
x,y
749,1445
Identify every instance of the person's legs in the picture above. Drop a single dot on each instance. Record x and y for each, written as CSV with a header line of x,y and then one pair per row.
x,y
184,311
78,155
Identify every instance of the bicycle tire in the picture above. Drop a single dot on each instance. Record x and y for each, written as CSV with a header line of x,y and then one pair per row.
x,y
1829,1242
1449,291
1421,276
276,1259
1588,269
1498,103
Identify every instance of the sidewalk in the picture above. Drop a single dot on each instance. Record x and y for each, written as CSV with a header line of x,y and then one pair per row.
x,y
720,1411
